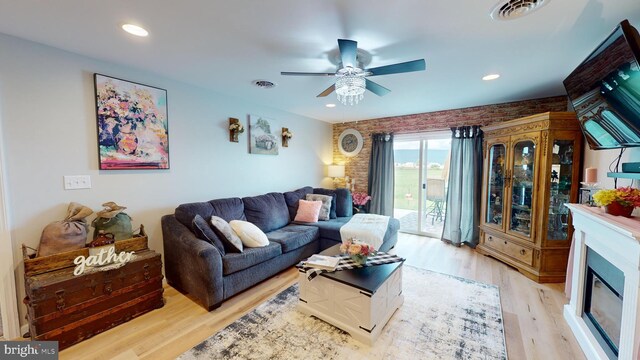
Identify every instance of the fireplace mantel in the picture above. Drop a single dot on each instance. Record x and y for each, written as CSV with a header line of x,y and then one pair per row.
x,y
617,240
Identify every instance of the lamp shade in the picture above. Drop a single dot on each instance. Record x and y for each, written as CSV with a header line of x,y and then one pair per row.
x,y
335,171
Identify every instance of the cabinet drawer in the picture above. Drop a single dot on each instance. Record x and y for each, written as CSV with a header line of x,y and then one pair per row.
x,y
515,251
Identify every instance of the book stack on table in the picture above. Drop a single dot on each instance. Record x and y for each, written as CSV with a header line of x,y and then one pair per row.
x,y
322,262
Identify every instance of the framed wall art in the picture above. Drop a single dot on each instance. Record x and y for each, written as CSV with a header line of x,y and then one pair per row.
x,y
264,135
133,127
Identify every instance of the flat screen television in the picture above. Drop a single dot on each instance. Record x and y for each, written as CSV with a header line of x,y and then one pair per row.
x,y
605,91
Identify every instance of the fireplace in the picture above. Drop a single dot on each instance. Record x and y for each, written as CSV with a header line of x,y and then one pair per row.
x,y
604,288
604,284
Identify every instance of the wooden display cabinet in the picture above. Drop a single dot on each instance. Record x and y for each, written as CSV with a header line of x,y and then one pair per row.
x,y
531,169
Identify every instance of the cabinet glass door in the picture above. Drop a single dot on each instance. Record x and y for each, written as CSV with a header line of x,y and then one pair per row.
x,y
560,189
521,180
495,191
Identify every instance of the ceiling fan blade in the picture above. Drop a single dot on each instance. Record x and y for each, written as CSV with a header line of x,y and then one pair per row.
x,y
306,74
348,51
409,66
329,90
376,88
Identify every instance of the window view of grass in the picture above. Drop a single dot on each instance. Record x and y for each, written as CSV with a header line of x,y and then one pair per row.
x,y
408,185
407,169
407,182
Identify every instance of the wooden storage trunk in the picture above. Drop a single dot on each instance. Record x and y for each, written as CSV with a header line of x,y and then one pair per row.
x,y
68,308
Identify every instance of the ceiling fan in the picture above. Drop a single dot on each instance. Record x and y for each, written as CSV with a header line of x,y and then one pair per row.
x,y
351,81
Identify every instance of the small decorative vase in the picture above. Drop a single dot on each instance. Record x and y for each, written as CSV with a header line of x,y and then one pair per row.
x,y
234,136
618,210
360,209
359,259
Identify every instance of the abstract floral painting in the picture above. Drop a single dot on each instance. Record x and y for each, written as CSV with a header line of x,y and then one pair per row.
x,y
264,135
133,129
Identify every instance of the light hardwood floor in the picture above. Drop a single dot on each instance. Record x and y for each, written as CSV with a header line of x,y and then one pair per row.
x,y
534,326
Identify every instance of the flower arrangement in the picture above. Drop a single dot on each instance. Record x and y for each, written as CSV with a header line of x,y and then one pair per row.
x,y
620,201
358,251
360,199
236,127
287,134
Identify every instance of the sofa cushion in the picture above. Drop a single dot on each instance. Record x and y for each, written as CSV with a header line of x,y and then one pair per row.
x,y
331,229
228,209
185,213
268,212
293,236
231,241
332,193
250,234
234,262
292,197
308,211
203,231
344,202
325,209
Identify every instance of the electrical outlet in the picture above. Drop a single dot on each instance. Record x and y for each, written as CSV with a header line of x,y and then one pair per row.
x,y
75,182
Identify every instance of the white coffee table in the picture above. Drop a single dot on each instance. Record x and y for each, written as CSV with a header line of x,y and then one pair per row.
x,y
359,301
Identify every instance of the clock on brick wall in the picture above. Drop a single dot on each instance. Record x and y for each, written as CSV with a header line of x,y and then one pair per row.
x,y
350,142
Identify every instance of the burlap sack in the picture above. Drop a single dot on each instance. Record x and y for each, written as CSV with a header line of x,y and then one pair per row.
x,y
66,235
113,220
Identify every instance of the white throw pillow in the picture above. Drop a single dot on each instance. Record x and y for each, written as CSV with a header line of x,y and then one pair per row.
x,y
250,234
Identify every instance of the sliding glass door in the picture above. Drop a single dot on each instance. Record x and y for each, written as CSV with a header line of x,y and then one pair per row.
x,y
421,175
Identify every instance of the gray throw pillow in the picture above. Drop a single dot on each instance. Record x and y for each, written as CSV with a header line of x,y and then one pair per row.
x,y
232,242
325,210
203,231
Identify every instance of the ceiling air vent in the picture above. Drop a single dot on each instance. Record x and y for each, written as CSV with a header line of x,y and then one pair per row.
x,y
263,84
513,9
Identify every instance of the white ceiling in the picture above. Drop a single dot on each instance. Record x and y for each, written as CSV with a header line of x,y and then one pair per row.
x,y
224,45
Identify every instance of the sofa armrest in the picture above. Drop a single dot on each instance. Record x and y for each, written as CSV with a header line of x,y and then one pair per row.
x,y
192,265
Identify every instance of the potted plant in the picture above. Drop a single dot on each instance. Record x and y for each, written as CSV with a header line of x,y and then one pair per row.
x,y
618,202
358,251
360,200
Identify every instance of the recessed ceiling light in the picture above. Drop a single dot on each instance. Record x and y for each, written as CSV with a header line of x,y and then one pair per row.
x,y
330,105
490,77
135,30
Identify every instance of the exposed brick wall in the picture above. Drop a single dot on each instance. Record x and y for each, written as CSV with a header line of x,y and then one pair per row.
x,y
357,167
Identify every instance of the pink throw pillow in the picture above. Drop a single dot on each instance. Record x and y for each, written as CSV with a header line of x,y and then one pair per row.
x,y
308,211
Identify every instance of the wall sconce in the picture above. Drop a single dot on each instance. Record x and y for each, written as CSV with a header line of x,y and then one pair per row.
x,y
335,172
286,136
235,128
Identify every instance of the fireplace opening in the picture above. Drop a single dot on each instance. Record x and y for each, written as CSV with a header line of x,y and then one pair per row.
x,y
604,290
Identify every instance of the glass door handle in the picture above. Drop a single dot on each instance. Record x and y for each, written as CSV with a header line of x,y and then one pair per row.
x,y
507,178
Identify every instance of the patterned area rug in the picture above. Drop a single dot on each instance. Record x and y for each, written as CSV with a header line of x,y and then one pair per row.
x,y
443,317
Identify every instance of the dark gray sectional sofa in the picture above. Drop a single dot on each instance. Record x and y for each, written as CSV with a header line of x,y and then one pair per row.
x,y
210,275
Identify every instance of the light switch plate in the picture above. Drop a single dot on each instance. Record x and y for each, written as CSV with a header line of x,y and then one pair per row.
x,y
75,182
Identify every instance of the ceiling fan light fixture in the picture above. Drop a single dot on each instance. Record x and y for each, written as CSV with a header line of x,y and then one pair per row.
x,y
350,85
